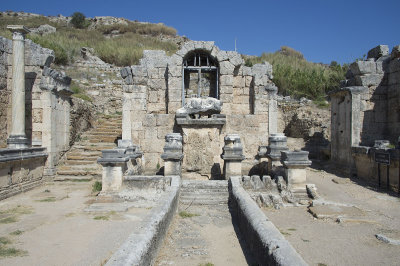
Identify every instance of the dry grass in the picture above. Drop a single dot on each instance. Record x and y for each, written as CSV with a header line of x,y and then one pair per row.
x,y
122,50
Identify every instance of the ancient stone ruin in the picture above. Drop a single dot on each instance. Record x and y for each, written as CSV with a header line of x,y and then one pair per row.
x,y
203,93
199,129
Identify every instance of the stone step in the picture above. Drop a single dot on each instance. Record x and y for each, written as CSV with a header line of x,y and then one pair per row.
x,y
204,190
208,184
203,202
74,178
81,162
81,172
91,166
76,155
109,139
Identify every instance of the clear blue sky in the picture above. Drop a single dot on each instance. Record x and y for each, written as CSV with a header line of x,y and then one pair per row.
x,y
323,30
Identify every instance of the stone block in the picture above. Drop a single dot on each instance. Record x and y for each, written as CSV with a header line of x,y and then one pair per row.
x,y
226,80
174,94
149,120
153,96
395,52
379,51
125,71
226,68
139,71
164,119
368,80
175,71
363,67
239,82
226,89
157,84
175,83
175,60
137,126
394,65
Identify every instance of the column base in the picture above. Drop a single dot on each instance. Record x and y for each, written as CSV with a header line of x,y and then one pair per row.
x,y
17,142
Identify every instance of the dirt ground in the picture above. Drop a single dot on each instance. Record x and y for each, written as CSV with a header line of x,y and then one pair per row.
x,y
345,233
207,238
48,226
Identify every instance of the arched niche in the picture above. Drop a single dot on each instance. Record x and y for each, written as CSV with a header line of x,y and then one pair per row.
x,y
200,74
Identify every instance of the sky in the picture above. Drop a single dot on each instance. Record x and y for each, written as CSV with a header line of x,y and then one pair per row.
x,y
323,30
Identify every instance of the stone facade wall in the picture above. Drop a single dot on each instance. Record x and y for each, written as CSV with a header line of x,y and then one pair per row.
x,y
47,106
153,93
20,175
366,108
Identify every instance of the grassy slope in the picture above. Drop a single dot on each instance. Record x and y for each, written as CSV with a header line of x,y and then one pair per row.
x,y
123,50
297,77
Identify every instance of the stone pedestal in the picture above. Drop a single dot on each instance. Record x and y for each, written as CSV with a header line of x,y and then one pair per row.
x,y
277,144
232,156
17,138
295,164
172,155
114,164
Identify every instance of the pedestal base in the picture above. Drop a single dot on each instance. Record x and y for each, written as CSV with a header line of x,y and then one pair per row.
x,y
17,142
232,168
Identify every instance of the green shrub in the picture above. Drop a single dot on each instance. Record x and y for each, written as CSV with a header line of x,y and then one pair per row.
x,y
78,20
97,186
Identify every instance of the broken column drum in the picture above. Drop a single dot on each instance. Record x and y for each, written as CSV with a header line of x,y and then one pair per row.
x,y
277,144
173,154
232,156
17,138
295,164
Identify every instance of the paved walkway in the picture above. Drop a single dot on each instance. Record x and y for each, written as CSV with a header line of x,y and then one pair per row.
x,y
48,226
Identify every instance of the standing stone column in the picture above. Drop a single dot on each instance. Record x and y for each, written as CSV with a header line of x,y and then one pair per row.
x,y
277,143
173,154
17,138
232,156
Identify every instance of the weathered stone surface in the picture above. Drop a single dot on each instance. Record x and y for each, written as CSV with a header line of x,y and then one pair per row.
x,y
201,106
380,50
363,67
395,52
43,30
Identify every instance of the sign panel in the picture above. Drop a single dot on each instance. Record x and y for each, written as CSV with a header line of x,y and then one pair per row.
x,y
383,158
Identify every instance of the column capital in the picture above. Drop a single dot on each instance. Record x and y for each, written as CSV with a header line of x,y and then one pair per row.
x,y
18,31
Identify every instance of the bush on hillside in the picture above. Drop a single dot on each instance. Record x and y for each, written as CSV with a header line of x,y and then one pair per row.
x,y
78,20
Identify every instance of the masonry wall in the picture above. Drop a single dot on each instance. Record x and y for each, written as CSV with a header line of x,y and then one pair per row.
x,y
153,93
366,109
47,101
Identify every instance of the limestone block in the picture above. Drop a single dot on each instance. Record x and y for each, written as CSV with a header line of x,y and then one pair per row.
x,y
112,178
175,83
226,68
139,71
394,78
247,71
226,89
164,119
153,97
137,126
174,94
149,120
175,61
363,67
37,115
214,52
395,52
153,73
226,80
175,71
235,58
136,80
226,98
239,82
173,106
368,80
240,108
379,51
157,84
262,69
394,65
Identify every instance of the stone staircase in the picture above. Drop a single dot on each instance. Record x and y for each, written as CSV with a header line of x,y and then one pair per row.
x,y
80,162
204,192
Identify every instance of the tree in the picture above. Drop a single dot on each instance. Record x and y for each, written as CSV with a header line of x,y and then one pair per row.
x,y
78,20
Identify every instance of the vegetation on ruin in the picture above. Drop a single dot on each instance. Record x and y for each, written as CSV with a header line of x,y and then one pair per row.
x,y
80,93
122,50
78,20
97,186
297,77
185,214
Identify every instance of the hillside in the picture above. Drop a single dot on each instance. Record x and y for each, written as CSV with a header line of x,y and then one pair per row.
x,y
116,41
120,42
